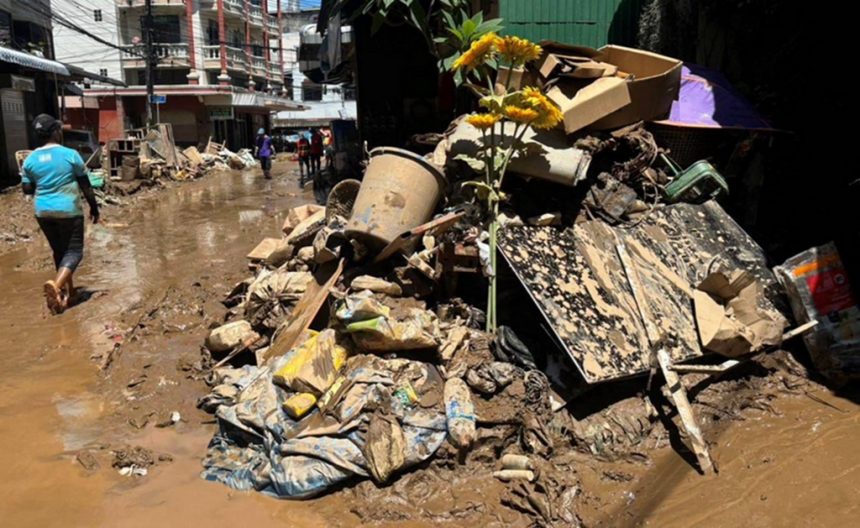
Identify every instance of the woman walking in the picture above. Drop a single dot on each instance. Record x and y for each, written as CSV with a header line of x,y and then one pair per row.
x,y
56,175
265,151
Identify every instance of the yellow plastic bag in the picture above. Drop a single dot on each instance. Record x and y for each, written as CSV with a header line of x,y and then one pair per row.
x,y
313,365
298,405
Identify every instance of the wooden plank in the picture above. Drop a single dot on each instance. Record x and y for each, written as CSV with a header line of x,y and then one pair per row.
x,y
407,238
264,249
304,311
685,412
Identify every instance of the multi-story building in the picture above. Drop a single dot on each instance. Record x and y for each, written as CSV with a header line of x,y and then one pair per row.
x,y
29,79
219,64
300,43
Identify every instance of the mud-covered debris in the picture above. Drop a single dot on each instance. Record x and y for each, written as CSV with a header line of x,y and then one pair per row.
x,y
385,449
460,413
128,456
228,336
87,460
376,285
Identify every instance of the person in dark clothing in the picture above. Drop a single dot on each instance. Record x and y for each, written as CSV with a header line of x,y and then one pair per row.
x,y
264,151
57,177
304,152
316,151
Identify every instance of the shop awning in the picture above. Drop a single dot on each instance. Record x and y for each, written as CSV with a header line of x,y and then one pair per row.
x,y
31,61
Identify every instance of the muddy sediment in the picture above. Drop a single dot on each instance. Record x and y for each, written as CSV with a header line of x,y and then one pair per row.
x,y
96,389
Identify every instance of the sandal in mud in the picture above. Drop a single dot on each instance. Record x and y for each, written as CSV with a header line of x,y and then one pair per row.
x,y
53,298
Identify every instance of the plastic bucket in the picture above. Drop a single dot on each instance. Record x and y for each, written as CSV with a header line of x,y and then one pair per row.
x,y
399,192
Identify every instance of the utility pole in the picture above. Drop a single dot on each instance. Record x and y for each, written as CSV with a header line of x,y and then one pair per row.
x,y
150,61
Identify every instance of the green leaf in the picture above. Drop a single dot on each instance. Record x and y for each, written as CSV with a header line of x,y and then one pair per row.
x,y
468,29
493,25
498,159
482,190
474,163
493,103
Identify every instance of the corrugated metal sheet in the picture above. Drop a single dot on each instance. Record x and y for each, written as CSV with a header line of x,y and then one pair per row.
x,y
585,22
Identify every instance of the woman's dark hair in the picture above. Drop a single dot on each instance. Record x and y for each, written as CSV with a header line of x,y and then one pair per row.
x,y
45,125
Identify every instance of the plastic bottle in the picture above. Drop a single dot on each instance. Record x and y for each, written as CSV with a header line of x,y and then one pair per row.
x,y
460,413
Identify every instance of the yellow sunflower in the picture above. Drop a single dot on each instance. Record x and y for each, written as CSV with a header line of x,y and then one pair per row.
x,y
517,51
483,121
549,114
521,115
478,52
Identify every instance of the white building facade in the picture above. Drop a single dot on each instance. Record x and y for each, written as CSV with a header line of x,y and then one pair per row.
x,y
323,103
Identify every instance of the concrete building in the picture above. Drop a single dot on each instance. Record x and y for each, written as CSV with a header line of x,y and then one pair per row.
x,y
300,42
220,66
29,79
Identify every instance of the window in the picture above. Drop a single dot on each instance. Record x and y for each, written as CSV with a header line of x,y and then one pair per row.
x,y
212,34
97,15
236,39
103,72
165,29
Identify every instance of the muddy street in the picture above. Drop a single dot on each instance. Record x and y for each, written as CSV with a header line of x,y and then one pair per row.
x,y
105,377
56,402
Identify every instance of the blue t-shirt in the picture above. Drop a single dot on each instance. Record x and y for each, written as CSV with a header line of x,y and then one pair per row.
x,y
53,169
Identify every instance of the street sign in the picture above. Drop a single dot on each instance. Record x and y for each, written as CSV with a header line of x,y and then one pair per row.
x,y
157,99
220,113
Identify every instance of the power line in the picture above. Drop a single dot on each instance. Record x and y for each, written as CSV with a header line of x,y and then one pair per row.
x,y
65,23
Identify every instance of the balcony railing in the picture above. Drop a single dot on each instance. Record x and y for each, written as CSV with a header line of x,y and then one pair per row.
x,y
255,15
235,57
167,54
258,65
155,3
273,24
231,7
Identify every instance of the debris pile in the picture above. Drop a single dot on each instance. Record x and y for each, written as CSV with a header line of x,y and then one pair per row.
x,y
360,346
146,157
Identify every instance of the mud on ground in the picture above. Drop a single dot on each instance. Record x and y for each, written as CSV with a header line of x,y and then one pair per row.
x,y
98,389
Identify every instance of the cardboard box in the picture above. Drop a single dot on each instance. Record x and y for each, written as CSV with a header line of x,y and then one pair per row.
x,y
576,67
642,88
584,103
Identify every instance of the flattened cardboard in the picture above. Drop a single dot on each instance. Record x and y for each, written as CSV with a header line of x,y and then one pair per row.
x,y
728,317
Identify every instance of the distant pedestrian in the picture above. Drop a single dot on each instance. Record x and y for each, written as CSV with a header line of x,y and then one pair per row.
x,y
316,150
57,176
264,151
303,147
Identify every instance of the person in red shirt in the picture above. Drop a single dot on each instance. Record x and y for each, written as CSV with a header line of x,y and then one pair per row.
x,y
316,151
303,149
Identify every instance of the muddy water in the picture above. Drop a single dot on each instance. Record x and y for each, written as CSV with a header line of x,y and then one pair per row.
x,y
50,404
798,468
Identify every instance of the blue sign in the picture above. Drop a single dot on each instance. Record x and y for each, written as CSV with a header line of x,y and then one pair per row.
x,y
157,99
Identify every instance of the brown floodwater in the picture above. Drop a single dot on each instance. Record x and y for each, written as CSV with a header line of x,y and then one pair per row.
x,y
799,467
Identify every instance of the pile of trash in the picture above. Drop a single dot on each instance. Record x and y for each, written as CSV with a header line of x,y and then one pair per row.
x,y
359,348
146,157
